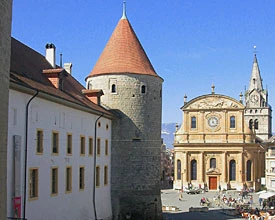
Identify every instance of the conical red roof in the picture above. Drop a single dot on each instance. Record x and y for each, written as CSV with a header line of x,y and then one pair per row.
x,y
123,53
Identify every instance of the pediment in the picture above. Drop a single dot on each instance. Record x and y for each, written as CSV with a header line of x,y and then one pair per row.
x,y
213,102
213,171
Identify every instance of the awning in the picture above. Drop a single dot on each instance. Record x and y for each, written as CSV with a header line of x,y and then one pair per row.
x,y
266,195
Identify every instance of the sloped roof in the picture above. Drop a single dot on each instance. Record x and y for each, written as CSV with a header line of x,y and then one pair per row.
x,y
123,53
27,68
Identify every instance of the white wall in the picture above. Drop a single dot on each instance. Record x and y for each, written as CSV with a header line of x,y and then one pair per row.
x,y
50,116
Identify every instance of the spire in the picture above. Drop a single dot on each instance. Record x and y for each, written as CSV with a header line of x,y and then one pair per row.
x,y
124,11
255,80
123,53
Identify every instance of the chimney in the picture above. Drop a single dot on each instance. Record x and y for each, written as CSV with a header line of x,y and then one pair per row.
x,y
93,95
68,67
50,54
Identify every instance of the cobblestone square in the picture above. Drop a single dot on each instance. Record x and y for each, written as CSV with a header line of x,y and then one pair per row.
x,y
172,198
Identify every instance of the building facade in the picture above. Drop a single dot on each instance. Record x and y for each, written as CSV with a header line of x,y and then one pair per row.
x,y
214,146
270,164
133,91
5,39
258,112
59,142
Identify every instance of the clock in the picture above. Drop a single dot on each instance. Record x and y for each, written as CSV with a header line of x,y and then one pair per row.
x,y
254,98
213,121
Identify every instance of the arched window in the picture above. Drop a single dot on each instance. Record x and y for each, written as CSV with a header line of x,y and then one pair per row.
x,y
113,88
213,163
250,123
193,122
232,170
232,122
143,89
248,170
256,124
178,169
193,170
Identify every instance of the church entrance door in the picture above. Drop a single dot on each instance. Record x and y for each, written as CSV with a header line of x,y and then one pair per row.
x,y
213,183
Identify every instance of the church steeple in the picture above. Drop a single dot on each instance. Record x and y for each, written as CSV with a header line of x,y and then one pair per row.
x,y
257,110
255,80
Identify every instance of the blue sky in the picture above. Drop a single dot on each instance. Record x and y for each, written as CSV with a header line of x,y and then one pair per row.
x,y
192,44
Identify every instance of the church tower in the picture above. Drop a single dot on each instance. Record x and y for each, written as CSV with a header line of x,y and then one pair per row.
x,y
258,111
133,92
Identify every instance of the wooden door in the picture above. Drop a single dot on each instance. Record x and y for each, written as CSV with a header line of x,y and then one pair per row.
x,y
213,183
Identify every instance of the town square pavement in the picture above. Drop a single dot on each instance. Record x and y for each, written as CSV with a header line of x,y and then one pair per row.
x,y
173,199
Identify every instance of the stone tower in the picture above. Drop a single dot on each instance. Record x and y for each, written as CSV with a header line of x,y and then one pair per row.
x,y
133,91
5,49
258,111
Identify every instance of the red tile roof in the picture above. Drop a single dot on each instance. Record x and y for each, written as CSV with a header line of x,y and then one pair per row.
x,y
27,68
123,53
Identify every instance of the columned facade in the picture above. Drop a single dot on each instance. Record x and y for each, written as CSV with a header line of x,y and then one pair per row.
x,y
215,147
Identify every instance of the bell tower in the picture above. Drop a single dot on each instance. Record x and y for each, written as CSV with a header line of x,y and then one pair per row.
x,y
258,111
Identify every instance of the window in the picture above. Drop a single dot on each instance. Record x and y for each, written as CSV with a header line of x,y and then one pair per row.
x,y
81,178
113,89
256,124
98,147
68,179
69,144
232,122
178,169
248,170
33,183
54,179
272,152
39,141
55,144
105,175
213,163
91,146
272,166
250,123
82,145
97,176
106,147
193,122
143,89
232,170
193,170
273,183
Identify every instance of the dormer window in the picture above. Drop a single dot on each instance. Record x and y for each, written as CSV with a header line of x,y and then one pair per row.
x,y
113,89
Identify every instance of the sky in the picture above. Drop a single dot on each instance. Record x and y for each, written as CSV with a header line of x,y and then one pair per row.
x,y
192,44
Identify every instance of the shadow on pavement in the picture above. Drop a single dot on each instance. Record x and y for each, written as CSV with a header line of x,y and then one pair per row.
x,y
209,215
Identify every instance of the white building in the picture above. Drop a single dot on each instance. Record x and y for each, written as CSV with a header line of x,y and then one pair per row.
x,y
270,164
59,142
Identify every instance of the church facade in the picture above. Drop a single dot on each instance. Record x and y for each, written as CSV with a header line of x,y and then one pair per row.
x,y
219,141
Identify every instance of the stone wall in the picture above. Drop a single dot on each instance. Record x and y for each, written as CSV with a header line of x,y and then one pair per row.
x,y
5,33
136,143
